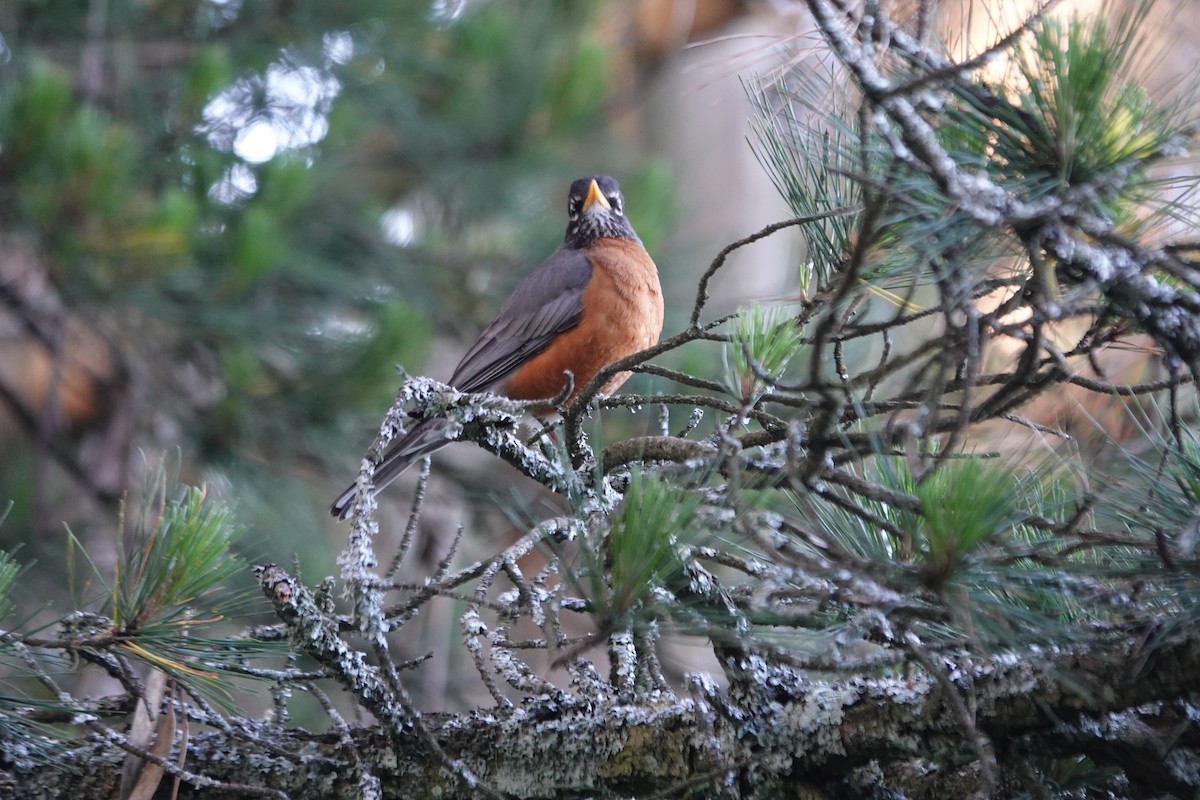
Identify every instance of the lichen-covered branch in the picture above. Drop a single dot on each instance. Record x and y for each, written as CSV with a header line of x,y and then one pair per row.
x,y
784,730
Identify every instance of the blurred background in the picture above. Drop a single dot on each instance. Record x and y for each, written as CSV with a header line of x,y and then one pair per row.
x,y
223,224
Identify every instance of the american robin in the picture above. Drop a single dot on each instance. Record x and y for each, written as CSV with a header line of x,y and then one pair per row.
x,y
594,300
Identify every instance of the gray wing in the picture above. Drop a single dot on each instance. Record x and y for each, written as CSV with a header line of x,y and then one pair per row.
x,y
544,305
548,302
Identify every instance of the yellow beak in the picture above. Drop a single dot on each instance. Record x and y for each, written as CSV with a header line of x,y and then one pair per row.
x,y
594,196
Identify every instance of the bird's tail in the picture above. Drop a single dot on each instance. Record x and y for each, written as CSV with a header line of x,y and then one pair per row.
x,y
425,438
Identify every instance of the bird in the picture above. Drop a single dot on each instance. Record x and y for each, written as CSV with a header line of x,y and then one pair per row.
x,y
595,300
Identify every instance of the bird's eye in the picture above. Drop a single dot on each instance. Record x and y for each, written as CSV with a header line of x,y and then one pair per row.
x,y
614,200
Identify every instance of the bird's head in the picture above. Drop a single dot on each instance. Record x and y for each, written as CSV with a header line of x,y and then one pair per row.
x,y
596,210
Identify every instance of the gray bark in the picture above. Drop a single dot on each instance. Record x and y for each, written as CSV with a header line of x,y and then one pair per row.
x,y
775,733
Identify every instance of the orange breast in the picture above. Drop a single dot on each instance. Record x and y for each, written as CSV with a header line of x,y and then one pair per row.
x,y
622,313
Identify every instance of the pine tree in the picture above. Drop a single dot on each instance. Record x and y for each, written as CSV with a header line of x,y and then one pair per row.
x,y
900,596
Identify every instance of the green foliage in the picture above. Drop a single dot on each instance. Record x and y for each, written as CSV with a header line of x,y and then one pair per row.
x,y
9,570
167,604
964,504
174,558
397,335
1084,120
761,346
1077,118
1074,119
169,596
647,531
970,550
811,155
69,167
209,72
651,196
576,90
967,546
285,188
253,294
33,111
1184,471
258,248
1157,493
